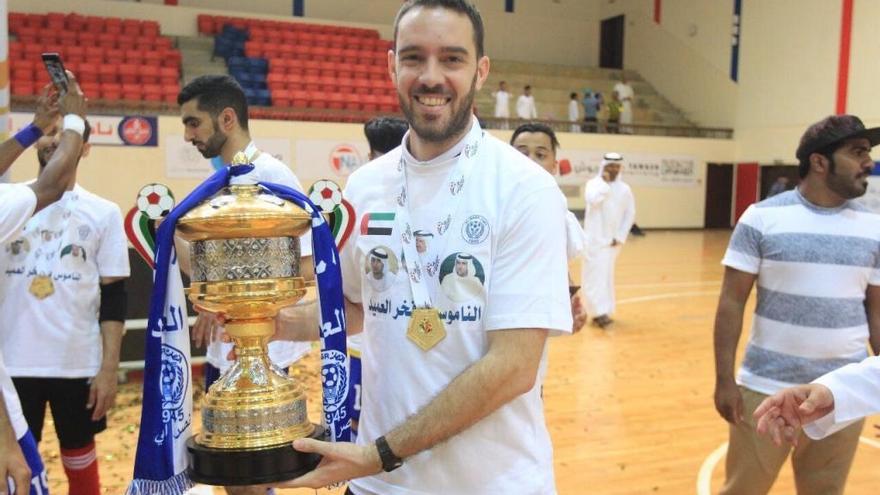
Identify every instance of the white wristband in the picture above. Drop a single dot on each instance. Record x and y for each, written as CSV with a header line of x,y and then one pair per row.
x,y
75,123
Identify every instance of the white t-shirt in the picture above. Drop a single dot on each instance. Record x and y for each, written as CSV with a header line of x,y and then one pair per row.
x,y
574,235
13,406
502,104
283,353
814,266
74,241
515,215
17,204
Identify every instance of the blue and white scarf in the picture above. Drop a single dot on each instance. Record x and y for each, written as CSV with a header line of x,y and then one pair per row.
x,y
166,417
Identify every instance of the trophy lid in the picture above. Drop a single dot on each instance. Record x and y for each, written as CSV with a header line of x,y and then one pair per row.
x,y
243,211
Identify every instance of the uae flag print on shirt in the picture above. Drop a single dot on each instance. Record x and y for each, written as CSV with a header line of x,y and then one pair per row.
x,y
377,223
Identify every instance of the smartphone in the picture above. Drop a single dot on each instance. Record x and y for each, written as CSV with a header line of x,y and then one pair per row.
x,y
56,71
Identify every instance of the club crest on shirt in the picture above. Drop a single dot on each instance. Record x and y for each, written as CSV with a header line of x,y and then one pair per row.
x,y
475,229
84,231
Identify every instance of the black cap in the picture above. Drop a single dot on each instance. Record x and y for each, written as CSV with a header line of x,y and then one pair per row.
x,y
834,129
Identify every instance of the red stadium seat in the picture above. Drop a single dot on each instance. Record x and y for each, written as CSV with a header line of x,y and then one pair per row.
x,y
128,73
299,98
88,72
169,58
317,99
107,40
148,74
133,92
75,22
312,83
169,76
153,58
281,98
22,88
115,56
205,24
111,91
335,101
370,103
170,92
134,57
162,43
108,73
113,25
68,38
362,86
90,89
152,92
88,38
131,27
150,29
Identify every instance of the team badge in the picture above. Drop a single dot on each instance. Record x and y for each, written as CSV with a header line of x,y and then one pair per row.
x,y
475,229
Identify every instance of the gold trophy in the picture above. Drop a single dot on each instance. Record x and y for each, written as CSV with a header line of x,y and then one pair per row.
x,y
245,259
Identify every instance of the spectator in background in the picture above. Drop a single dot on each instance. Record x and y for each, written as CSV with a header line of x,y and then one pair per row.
x,y
626,95
573,112
538,142
780,186
502,104
592,103
384,134
525,105
614,105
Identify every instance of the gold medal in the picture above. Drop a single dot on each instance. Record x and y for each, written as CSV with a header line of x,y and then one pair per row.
x,y
42,287
425,328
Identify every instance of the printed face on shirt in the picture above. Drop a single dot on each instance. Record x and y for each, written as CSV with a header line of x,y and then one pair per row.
x,y
462,277
437,72
852,166
421,245
539,148
201,130
377,267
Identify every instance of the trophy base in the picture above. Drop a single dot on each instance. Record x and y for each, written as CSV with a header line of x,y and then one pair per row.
x,y
230,467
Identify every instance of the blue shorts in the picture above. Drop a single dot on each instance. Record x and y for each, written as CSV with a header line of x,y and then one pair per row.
x,y
39,482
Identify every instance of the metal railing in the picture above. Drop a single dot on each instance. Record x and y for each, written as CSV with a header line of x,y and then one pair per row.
x,y
604,127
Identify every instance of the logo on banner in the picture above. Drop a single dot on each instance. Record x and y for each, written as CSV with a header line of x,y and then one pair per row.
x,y
135,131
334,379
475,229
174,386
344,159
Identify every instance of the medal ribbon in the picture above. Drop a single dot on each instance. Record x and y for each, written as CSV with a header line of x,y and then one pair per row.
x,y
453,194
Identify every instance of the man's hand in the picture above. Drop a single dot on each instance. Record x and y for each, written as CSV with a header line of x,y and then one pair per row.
x,y
342,461
48,110
578,314
729,401
13,465
102,394
606,175
207,328
73,102
784,413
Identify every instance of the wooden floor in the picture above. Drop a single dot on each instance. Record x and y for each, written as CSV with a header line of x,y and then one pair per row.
x,y
629,409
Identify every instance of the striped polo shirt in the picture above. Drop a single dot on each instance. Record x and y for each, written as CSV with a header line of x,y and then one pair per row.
x,y
814,265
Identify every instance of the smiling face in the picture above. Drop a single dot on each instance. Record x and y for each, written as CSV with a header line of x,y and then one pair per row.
x,y
437,73
201,130
538,147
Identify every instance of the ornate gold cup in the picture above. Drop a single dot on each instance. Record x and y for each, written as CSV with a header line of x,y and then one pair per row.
x,y
245,256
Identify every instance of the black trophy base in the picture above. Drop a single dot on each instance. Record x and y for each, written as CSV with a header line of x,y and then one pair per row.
x,y
228,467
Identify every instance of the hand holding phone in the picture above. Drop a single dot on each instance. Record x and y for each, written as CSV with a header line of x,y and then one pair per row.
x,y
56,71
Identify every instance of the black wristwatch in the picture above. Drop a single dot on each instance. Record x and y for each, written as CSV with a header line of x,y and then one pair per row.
x,y
389,459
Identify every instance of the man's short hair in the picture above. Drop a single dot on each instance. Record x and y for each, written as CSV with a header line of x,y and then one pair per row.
x,y
536,127
528,86
214,93
385,133
460,6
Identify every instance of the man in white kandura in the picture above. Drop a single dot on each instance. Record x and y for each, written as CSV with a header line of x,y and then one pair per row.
x,y
610,212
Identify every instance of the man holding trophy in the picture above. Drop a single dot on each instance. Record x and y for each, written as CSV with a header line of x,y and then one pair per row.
x,y
451,388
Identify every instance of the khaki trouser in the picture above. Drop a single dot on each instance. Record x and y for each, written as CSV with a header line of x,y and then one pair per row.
x,y
753,461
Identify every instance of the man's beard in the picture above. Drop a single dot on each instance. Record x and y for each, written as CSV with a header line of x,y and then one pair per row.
x,y
847,189
214,144
458,122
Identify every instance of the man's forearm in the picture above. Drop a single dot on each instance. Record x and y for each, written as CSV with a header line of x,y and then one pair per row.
x,y
728,328
10,150
507,371
111,342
